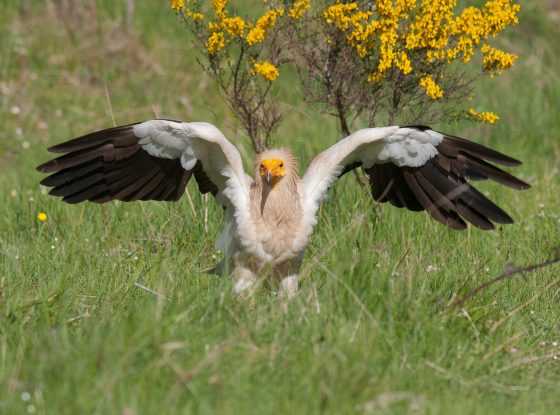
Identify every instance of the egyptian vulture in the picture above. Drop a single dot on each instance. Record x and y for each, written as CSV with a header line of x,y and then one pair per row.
x,y
269,216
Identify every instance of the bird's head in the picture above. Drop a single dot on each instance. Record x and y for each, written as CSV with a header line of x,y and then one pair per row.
x,y
272,170
274,165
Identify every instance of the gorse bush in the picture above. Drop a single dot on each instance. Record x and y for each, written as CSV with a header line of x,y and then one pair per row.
x,y
380,62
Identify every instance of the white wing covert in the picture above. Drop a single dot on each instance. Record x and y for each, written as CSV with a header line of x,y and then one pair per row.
x,y
417,168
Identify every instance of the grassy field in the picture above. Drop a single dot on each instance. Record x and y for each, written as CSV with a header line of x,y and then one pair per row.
x,y
371,330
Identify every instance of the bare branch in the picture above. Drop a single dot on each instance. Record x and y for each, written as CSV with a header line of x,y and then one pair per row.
x,y
507,274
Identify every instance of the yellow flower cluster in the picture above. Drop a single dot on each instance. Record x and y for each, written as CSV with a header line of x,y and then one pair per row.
x,y
220,8
396,29
216,42
195,16
403,63
362,31
449,37
42,217
223,28
180,6
235,26
487,117
266,69
430,28
433,90
347,18
500,14
392,52
387,35
339,14
299,8
231,26
267,21
177,5
495,60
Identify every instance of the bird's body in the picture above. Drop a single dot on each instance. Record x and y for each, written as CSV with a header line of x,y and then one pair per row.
x,y
277,217
270,216
275,212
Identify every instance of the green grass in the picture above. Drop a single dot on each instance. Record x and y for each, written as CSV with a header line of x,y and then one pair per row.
x,y
370,331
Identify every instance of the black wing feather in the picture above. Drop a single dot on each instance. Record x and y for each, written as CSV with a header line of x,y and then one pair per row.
x,y
111,165
441,188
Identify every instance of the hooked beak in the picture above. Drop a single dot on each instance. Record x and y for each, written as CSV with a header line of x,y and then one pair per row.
x,y
268,177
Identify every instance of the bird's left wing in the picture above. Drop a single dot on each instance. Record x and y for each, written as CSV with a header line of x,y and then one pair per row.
x,y
417,168
152,160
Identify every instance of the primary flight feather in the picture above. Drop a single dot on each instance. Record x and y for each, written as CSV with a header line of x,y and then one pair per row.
x,y
270,216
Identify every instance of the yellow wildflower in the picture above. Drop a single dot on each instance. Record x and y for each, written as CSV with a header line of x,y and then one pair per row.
x,y
362,36
266,69
347,17
495,60
223,28
338,14
235,26
446,36
403,63
485,116
177,5
387,50
430,28
42,217
255,35
432,89
216,42
375,77
299,8
195,16
220,7
499,14
267,21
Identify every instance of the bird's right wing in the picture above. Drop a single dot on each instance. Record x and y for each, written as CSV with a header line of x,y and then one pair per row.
x,y
152,160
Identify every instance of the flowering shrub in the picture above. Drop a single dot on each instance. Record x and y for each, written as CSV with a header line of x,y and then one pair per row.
x,y
381,61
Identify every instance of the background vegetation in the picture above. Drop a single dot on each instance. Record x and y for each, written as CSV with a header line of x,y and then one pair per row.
x,y
106,309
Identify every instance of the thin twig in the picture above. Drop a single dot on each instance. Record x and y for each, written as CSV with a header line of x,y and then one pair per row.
x,y
191,204
527,361
205,198
508,273
143,287
502,346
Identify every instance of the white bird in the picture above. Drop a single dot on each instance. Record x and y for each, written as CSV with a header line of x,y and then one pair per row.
x,y
270,216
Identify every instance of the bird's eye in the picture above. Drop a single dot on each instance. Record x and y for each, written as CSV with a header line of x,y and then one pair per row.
x,y
281,164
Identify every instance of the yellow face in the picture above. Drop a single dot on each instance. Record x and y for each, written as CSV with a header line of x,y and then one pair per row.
x,y
272,170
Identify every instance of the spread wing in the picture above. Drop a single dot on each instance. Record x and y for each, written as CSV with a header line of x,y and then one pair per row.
x,y
416,168
152,160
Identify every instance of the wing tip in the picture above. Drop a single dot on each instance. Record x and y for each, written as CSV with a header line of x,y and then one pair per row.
x,y
505,219
523,185
57,148
47,167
